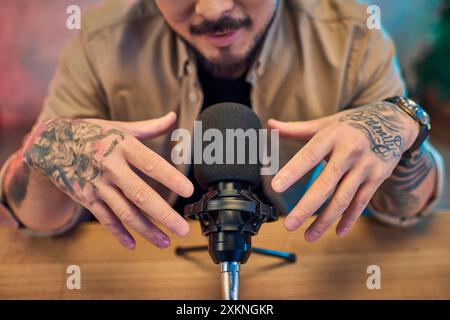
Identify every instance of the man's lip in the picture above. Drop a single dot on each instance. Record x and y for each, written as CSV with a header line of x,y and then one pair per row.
x,y
224,39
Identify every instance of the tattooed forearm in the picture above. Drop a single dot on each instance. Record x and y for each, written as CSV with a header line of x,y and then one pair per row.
x,y
396,195
381,123
70,152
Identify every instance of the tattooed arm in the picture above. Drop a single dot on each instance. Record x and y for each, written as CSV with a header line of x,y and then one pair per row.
x,y
362,147
90,162
409,188
24,188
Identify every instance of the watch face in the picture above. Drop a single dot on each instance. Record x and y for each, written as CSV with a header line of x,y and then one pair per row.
x,y
420,115
419,112
423,116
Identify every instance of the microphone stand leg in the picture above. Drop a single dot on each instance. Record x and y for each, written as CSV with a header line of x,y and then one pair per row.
x,y
179,251
288,256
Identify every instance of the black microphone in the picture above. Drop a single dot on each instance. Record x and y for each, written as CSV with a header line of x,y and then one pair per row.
x,y
229,212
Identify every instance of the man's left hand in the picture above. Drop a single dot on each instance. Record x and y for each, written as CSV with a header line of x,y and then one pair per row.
x,y
362,147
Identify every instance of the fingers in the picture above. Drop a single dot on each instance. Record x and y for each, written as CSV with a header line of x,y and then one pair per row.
x,y
107,219
130,216
149,201
307,158
156,167
357,206
319,191
303,130
340,201
150,128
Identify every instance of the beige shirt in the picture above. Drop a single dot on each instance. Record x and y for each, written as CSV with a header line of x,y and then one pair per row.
x,y
319,57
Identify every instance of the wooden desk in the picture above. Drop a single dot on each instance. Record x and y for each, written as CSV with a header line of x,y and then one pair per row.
x,y
415,263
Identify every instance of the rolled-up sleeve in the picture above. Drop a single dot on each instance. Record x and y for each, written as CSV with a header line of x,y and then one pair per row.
x,y
375,73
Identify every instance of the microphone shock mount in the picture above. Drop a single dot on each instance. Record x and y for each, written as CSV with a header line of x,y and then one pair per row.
x,y
229,215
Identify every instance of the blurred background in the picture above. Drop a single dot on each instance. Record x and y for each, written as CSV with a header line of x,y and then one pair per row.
x,y
32,34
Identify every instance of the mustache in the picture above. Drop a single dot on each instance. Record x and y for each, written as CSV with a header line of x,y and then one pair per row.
x,y
224,24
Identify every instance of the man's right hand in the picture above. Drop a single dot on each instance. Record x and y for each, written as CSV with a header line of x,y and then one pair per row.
x,y
92,161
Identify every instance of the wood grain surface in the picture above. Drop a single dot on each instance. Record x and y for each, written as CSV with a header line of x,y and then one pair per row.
x,y
415,264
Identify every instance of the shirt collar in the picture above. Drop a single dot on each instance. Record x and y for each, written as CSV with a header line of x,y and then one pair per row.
x,y
184,57
259,66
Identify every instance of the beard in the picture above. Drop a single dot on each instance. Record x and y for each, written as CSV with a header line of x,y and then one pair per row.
x,y
229,65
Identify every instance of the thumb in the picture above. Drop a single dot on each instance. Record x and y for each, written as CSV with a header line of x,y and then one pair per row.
x,y
303,130
150,128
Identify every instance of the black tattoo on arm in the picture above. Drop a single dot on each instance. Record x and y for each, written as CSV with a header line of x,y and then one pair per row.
x,y
396,194
70,153
382,124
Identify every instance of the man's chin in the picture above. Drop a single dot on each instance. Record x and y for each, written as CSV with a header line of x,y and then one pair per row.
x,y
227,68
226,62
227,65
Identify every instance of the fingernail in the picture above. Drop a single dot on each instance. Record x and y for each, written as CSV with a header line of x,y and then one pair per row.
x,y
292,223
170,114
312,235
129,243
279,184
163,242
275,121
188,189
183,230
342,231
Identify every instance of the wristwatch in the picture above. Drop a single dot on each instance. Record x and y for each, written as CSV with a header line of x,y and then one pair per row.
x,y
419,115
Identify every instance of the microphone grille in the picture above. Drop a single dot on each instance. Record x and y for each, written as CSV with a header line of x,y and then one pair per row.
x,y
243,137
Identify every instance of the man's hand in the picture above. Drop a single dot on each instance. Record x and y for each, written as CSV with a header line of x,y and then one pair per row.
x,y
362,147
92,161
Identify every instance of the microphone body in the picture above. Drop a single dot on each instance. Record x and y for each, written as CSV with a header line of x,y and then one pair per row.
x,y
229,212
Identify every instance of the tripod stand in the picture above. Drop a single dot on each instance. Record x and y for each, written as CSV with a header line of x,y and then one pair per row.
x,y
287,256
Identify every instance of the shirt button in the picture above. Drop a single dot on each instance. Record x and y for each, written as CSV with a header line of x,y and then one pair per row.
x,y
193,96
189,68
